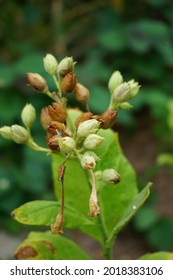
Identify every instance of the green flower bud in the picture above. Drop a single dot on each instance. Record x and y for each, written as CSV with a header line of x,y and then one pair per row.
x,y
126,91
66,144
115,80
110,176
28,115
50,64
88,127
121,93
88,161
93,141
65,66
5,132
19,134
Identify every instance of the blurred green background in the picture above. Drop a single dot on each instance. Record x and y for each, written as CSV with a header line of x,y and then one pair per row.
x,y
135,37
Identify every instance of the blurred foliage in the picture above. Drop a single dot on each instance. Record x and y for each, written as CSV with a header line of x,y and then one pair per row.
x,y
103,36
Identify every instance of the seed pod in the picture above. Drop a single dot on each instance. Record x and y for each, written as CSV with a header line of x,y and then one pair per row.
x,y
45,118
50,64
66,144
107,119
28,115
68,83
5,132
88,161
53,142
56,128
65,66
83,117
57,112
87,127
93,141
37,82
19,134
110,176
81,94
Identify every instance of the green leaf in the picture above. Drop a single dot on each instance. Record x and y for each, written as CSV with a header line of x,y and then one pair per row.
x,y
46,246
157,256
129,212
42,212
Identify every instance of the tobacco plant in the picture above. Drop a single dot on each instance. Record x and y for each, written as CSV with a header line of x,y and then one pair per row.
x,y
94,183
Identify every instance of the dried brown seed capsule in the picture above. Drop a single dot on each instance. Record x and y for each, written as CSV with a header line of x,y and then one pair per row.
x,y
57,112
81,93
68,83
107,119
83,117
45,117
56,128
37,82
52,142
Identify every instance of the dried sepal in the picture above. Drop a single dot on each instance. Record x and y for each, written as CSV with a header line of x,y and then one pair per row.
x,y
57,112
45,118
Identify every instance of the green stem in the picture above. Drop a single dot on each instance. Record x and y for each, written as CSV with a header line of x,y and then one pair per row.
x,y
36,147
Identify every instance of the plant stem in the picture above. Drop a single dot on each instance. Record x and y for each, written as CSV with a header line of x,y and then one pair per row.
x,y
36,147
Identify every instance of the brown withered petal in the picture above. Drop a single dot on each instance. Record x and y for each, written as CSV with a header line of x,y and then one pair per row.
x,y
68,83
52,142
36,81
45,117
107,119
57,112
83,117
55,128
81,93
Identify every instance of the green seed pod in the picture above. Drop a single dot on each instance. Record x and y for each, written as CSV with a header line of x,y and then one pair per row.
x,y
88,127
93,141
66,144
110,176
28,115
19,134
5,132
88,161
50,64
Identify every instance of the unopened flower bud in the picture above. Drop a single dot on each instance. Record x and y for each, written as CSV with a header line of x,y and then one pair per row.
x,y
19,134
126,91
5,132
81,94
56,128
87,127
88,161
68,83
66,144
65,66
45,118
93,141
115,80
53,142
121,93
110,176
50,64
57,112
28,115
37,82
107,119
83,117
134,88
